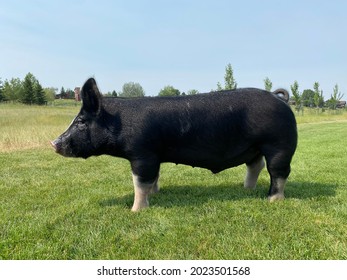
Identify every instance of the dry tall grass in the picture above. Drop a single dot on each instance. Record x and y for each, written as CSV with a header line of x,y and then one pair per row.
x,y
26,127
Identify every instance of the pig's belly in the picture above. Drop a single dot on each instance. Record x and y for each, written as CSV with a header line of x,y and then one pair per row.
x,y
216,161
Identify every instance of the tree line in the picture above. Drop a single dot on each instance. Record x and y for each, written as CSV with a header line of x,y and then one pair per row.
x,y
132,89
30,91
314,98
27,91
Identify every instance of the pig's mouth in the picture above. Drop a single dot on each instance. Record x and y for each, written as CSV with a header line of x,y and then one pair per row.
x,y
55,145
58,147
66,150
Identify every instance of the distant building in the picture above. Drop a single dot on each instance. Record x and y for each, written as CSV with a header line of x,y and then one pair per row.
x,y
77,91
341,104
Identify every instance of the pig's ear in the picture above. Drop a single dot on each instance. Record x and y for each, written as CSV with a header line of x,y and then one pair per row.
x,y
91,97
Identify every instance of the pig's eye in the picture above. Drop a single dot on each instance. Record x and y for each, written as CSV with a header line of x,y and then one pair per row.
x,y
81,124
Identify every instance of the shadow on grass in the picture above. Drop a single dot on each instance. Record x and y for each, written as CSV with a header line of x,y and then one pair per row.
x,y
192,195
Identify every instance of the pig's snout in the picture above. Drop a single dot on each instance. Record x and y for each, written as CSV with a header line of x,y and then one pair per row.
x,y
56,144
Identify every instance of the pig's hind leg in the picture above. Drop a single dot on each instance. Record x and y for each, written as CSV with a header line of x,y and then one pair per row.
x,y
278,164
253,170
155,187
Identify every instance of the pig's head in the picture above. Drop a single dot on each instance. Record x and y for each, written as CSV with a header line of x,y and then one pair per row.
x,y
87,134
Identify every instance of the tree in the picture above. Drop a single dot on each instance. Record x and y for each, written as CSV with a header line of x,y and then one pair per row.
x,y
132,89
229,81
297,96
50,93
69,94
28,89
308,98
335,98
12,90
111,94
318,99
32,91
316,87
39,94
62,93
169,91
192,92
267,84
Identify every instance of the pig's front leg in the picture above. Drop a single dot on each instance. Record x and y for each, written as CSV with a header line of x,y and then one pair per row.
x,y
142,190
144,185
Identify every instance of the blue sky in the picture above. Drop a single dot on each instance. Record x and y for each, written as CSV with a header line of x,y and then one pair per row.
x,y
186,44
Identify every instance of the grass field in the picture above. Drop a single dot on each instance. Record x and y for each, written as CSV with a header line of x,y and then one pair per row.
x,y
59,208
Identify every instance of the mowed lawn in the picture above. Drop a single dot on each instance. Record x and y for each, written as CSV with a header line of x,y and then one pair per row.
x,y
61,208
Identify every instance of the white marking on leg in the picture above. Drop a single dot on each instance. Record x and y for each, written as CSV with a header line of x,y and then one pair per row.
x,y
279,184
142,190
252,174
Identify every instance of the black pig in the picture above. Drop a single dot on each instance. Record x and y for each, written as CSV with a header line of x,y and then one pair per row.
x,y
214,131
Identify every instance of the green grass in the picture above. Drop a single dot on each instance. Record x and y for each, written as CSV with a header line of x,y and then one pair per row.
x,y
61,208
